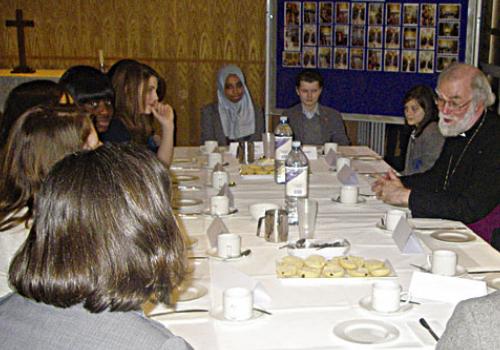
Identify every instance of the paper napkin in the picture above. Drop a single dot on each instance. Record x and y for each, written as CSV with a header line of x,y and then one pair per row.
x,y
225,191
443,288
347,176
311,152
233,148
331,158
405,239
216,228
224,276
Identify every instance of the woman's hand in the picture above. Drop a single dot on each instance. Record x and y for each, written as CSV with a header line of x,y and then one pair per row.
x,y
164,114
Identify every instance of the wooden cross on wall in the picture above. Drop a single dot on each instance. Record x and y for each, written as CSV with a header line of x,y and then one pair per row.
x,y
20,24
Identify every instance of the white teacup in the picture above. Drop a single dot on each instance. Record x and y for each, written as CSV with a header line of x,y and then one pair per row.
x,y
330,146
219,179
341,162
386,296
228,245
237,304
210,146
219,205
349,194
443,262
258,210
392,218
214,159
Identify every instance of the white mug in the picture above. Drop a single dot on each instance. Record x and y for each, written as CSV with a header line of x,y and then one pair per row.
x,y
443,262
210,146
228,245
219,179
330,146
237,303
392,218
349,194
341,162
219,205
214,159
386,296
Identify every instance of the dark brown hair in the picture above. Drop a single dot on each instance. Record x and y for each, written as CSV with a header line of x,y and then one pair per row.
x,y
40,137
110,246
425,97
309,76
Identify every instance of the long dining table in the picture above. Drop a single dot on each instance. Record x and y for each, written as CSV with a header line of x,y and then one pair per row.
x,y
304,312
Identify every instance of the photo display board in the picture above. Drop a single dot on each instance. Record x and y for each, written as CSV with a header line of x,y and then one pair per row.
x,y
370,53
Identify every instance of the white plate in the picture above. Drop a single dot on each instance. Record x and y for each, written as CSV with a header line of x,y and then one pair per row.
x,y
183,178
219,316
232,211
493,280
366,303
361,200
366,157
453,236
185,203
185,188
182,160
212,253
191,292
366,331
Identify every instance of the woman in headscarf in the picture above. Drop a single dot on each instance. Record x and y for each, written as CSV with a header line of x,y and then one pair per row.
x,y
235,117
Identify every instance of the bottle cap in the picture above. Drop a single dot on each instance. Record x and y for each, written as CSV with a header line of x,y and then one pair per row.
x,y
295,143
283,118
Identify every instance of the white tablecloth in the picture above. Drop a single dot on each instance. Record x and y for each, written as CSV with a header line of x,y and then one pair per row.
x,y
305,312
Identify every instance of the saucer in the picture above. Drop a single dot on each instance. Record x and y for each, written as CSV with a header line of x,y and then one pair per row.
x,y
453,236
232,211
219,316
365,331
185,203
459,270
361,200
191,292
176,179
382,227
212,253
366,303
493,280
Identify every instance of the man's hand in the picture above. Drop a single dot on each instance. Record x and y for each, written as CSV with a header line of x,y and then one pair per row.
x,y
391,190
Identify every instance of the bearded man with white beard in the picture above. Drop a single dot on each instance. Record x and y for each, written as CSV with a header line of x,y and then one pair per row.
x,y
464,183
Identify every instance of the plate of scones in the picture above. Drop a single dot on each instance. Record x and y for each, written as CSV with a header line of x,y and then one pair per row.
x,y
347,267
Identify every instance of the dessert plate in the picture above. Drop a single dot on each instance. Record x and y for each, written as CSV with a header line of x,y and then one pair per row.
x,y
453,236
232,211
183,178
212,253
191,292
185,203
366,304
364,331
219,316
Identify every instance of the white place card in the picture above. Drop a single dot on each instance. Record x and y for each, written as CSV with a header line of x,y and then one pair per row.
x,y
444,288
233,148
405,239
225,191
347,176
331,158
216,228
311,152
258,149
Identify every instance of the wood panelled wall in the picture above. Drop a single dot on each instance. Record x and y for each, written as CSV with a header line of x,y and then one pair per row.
x,y
186,41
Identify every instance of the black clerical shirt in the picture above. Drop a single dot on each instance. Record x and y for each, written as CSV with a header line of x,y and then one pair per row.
x,y
466,191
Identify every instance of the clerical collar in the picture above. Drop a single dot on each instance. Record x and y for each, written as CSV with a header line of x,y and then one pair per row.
x,y
311,114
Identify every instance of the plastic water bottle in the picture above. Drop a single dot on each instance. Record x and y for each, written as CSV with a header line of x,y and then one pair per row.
x,y
297,181
282,145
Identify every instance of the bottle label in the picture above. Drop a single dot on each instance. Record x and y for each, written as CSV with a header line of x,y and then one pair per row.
x,y
283,146
296,181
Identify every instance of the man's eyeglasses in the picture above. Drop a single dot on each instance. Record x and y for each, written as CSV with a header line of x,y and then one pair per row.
x,y
441,103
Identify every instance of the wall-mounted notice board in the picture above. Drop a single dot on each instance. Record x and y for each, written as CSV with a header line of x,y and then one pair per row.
x,y
369,52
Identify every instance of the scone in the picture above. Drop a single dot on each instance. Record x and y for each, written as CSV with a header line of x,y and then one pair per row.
x,y
358,260
382,272
359,272
286,270
293,260
309,272
332,270
373,264
347,263
315,261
